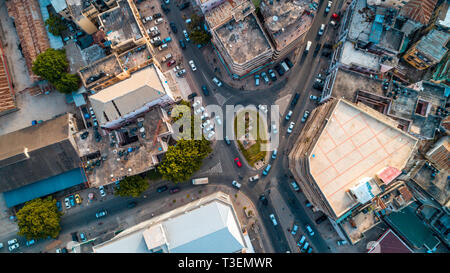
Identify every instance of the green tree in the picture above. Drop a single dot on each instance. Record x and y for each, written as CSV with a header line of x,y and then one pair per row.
x,y
39,219
132,186
51,65
182,160
200,37
67,83
195,23
55,25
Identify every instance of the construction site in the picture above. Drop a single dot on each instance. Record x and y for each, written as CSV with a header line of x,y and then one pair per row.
x,y
109,156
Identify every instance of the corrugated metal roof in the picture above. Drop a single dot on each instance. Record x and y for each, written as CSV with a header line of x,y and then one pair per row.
x,y
419,10
433,44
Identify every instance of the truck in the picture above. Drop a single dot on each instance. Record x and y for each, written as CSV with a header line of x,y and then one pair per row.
x,y
200,181
167,57
308,45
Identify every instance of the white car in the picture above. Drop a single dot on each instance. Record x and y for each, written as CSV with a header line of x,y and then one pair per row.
x,y
196,103
289,114
274,128
155,28
210,127
199,110
14,246
11,242
291,126
236,184
263,108
67,202
205,115
206,123
210,135
191,63
186,36
254,178
102,191
217,81
153,40
274,221
218,120
148,18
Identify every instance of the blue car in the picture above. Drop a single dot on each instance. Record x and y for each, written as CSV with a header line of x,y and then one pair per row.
x,y
167,40
182,44
30,242
267,169
59,206
274,154
72,201
83,237
205,90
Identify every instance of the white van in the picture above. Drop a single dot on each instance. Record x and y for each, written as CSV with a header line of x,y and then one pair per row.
x,y
308,45
159,21
285,67
200,181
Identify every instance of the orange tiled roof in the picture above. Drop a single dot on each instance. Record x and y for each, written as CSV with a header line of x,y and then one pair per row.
x,y
7,100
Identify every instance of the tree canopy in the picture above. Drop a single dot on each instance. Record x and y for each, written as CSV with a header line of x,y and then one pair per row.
x,y
52,66
183,159
55,25
39,219
197,33
132,186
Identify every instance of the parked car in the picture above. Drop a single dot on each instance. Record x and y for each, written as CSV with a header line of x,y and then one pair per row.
x,y
157,15
272,75
313,98
327,9
274,154
321,219
102,191
173,27
153,40
263,108
217,81
265,78
295,99
58,250
83,237
256,79
162,188
295,186
58,205
291,127
279,70
267,169
131,204
174,189
236,184
77,198
186,35
162,47
274,128
12,241
205,90
294,230
101,213
305,247
227,141
342,242
289,114
72,201
182,44
309,229
14,246
167,40
301,241
305,116
193,67
64,250
184,5
263,199
288,62
172,62
192,95
254,178
218,120
238,162
321,30
274,221
67,203
317,49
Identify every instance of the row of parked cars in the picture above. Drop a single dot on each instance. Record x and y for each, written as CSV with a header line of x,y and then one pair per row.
x,y
281,68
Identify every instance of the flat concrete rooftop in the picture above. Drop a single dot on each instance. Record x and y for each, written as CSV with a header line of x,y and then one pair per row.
x,y
347,82
108,67
120,24
353,145
135,57
286,20
243,40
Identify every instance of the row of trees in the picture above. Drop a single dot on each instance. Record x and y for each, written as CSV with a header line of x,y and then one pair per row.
x,y
52,66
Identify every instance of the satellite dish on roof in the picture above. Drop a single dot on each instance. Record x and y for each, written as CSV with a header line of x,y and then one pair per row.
x,y
275,18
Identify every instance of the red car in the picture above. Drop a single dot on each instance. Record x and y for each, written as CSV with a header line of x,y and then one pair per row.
x,y
172,62
174,190
238,162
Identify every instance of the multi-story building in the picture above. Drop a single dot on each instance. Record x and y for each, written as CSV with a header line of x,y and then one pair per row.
x,y
207,225
238,36
287,23
429,50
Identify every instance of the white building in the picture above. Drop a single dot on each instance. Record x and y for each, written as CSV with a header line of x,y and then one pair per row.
x,y
207,225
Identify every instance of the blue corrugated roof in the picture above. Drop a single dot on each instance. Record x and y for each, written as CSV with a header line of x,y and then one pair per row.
x,y
55,41
79,100
44,187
